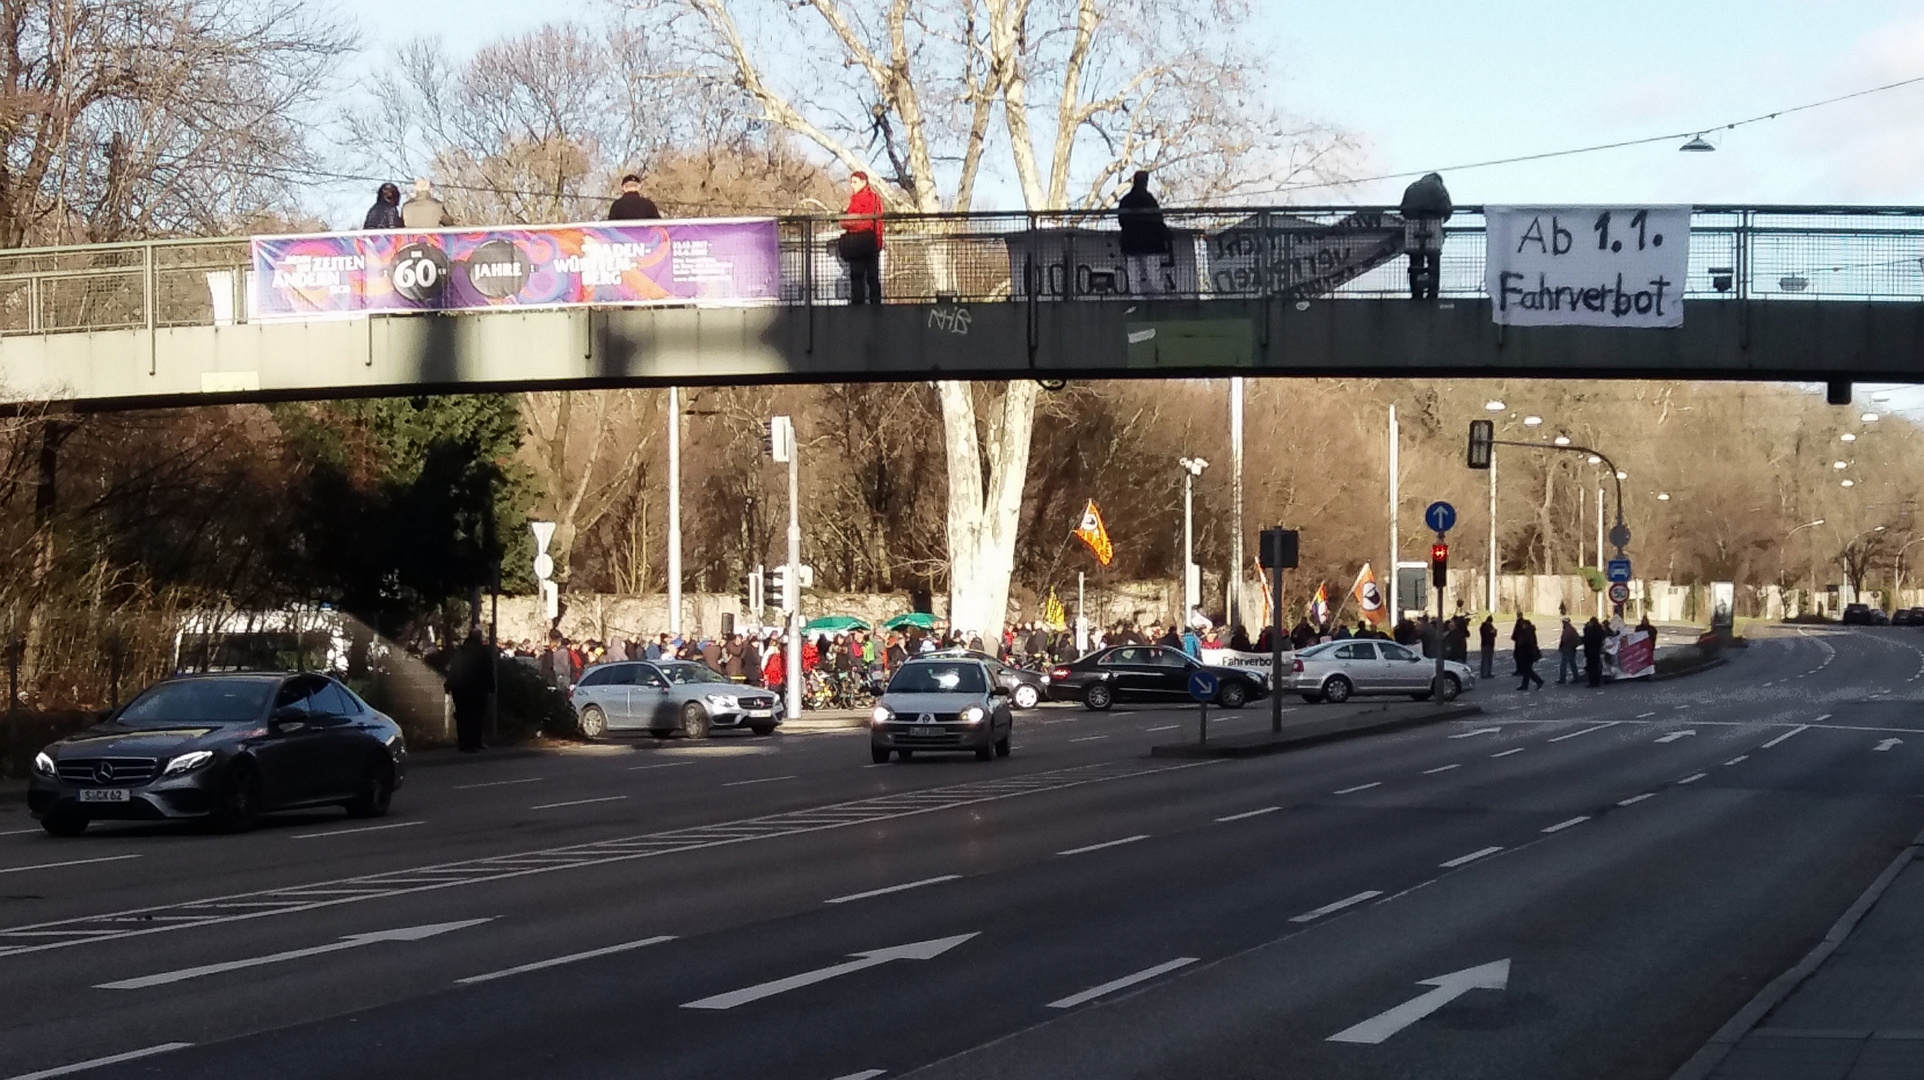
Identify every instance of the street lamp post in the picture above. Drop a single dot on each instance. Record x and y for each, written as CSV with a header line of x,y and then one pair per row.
x,y
1191,468
674,512
1897,570
1490,588
1810,556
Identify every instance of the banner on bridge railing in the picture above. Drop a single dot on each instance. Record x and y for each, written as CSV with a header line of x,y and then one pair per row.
x,y
730,261
1586,265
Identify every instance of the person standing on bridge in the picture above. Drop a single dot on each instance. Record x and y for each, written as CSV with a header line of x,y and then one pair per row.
x,y
386,211
1144,235
1426,206
860,244
423,210
631,204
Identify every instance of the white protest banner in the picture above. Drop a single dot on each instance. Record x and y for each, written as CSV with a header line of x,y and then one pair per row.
x,y
1247,661
1586,265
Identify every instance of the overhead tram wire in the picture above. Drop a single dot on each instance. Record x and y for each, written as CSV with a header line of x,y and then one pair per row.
x,y
1547,154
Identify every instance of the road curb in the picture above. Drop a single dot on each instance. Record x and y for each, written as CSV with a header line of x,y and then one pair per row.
x,y
1702,1063
1262,743
1705,666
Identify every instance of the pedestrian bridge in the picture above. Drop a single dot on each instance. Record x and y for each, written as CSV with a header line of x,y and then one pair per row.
x,y
1772,292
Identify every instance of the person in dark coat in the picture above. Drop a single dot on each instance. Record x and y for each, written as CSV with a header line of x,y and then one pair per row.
x,y
752,662
386,211
1523,640
1239,639
1456,642
469,682
1144,235
1426,206
1486,638
1567,652
1593,651
631,204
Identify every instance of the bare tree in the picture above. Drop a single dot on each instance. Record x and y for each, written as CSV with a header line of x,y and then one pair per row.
x,y
126,118
1084,91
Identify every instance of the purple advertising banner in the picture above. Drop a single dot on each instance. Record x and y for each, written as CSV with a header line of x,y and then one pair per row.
x,y
729,262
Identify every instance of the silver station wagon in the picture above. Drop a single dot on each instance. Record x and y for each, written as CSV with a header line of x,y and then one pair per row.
x,y
660,697
1335,671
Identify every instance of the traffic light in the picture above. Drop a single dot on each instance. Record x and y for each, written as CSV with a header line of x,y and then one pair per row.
x,y
1439,564
778,438
754,596
778,582
1482,442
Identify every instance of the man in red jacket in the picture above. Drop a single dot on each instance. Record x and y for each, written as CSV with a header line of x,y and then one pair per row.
x,y
861,243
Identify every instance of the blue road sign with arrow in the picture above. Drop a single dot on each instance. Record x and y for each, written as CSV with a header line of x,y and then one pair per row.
x,y
1617,570
1202,686
1440,517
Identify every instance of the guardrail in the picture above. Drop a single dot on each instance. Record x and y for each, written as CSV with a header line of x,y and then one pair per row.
x,y
1736,252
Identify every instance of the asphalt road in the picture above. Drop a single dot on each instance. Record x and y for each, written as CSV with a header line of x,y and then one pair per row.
x,y
1577,884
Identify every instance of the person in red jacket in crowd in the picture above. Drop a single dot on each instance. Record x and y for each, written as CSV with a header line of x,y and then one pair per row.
x,y
811,656
861,242
775,668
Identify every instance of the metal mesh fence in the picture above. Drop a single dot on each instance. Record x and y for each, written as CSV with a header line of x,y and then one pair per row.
x,y
1762,253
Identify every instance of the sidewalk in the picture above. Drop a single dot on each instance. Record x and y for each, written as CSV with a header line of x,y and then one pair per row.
x,y
1851,1010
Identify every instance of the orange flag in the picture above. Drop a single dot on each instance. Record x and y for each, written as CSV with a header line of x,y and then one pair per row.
x,y
1369,598
1093,534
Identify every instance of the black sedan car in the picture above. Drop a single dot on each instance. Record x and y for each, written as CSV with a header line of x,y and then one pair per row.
x,y
1148,673
221,748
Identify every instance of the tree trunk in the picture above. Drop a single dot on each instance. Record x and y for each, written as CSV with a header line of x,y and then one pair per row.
x,y
986,474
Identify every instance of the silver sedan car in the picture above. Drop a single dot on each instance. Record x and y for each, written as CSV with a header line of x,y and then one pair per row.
x,y
942,704
1337,670
662,696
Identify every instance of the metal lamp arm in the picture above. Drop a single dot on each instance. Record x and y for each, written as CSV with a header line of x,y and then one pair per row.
x,y
1574,449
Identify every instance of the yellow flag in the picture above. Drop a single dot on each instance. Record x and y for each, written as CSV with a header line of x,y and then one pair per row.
x,y
1052,614
1092,533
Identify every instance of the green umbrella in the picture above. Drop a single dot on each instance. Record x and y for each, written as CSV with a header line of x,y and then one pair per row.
x,y
914,618
835,624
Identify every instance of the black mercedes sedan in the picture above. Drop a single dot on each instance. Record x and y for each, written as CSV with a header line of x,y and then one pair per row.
x,y
223,749
1148,673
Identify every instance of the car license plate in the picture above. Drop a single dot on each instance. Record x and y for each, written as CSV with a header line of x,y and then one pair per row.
x,y
926,729
112,794
759,713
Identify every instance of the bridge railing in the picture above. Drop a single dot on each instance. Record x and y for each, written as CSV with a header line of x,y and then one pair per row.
x,y
1764,253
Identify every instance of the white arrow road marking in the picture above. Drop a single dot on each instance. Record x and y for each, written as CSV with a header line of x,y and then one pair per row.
x,y
1887,744
351,941
1675,735
919,950
1491,976
1123,983
95,1063
1478,731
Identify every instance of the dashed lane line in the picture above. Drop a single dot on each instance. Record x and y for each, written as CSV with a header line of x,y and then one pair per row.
x,y
1086,848
1507,753
1562,825
1785,735
578,802
1740,758
99,1062
505,783
361,829
1693,778
235,907
68,862
1462,860
759,780
872,893
1250,813
1331,909
1635,799
1359,787
1123,983
1588,730
571,958
1440,768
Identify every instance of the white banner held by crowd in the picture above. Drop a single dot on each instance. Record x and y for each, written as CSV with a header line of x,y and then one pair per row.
x,y
1248,661
1587,265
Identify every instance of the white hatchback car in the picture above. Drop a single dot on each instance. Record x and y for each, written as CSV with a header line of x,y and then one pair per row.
x,y
1337,670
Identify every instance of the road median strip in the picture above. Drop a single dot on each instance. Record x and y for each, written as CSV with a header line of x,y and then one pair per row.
x,y
1314,731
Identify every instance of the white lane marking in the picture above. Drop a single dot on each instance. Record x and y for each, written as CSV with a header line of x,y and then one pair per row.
x,y
363,828
917,950
1491,976
538,965
505,783
1440,768
1105,844
1645,715
1675,735
1793,731
1821,719
1588,730
1327,909
1885,745
893,889
351,941
1562,825
1088,738
1478,731
659,765
1250,813
1359,787
865,1074
1635,799
1470,858
759,780
577,802
1165,727
1507,753
69,862
95,1063
1737,759
1684,706
1123,983
21,832
1693,778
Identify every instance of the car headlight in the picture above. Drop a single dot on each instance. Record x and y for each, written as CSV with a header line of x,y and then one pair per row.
x,y
187,762
43,764
973,714
881,715
724,701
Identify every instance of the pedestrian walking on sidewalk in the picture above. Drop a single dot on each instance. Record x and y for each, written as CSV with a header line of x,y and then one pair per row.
x,y
1593,636
470,680
1523,640
1486,635
1567,653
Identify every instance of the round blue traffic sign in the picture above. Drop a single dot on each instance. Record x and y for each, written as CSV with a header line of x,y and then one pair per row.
x,y
1440,517
1202,685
